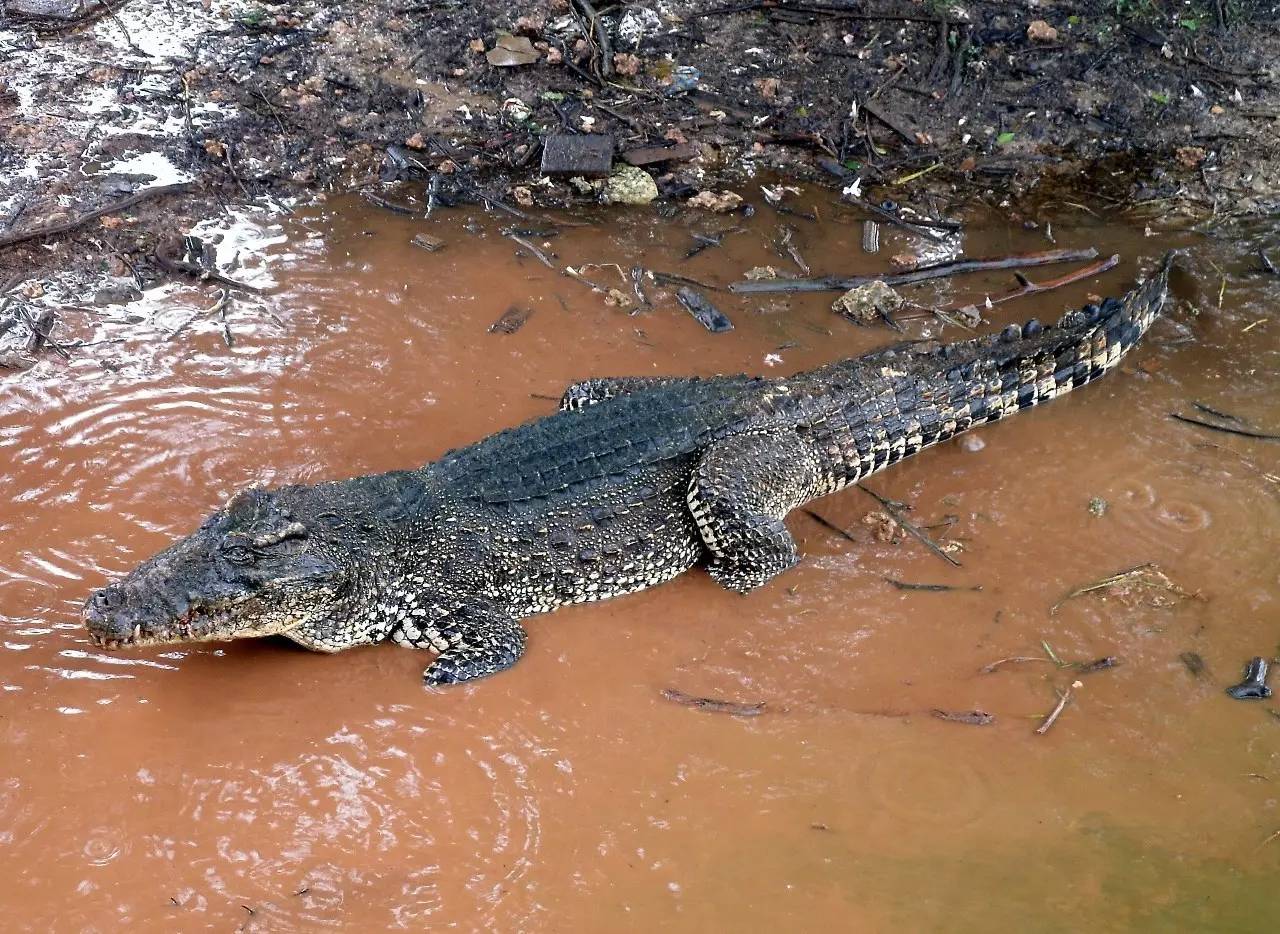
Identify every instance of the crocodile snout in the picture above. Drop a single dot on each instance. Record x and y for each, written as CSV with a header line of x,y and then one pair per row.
x,y
108,618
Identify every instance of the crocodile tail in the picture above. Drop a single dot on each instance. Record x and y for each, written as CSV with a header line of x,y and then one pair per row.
x,y
1108,332
935,393
1029,364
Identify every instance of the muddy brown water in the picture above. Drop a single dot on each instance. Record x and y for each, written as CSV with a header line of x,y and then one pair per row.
x,y
255,786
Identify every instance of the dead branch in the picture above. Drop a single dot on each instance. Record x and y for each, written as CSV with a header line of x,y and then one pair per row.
x,y
922,274
1027,287
714,704
53,230
898,517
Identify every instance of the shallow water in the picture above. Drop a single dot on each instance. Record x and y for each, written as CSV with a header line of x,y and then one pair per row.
x,y
256,786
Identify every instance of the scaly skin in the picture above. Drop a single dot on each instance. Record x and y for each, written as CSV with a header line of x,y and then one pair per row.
x,y
634,481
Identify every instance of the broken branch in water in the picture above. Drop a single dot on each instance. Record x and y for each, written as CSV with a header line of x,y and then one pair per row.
x,y
827,523
922,228
788,235
929,588
971,717
921,274
182,266
670,278
542,257
217,308
54,229
1243,432
1027,287
898,517
1051,657
714,705
1218,413
1267,264
996,665
1128,575
393,206
1063,699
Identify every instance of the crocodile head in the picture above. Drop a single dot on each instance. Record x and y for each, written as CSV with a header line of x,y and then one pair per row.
x,y
266,563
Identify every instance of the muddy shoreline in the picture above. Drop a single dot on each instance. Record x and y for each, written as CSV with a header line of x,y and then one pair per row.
x,y
1116,107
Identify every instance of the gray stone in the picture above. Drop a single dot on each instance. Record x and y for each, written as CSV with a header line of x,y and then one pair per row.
x,y
66,10
629,185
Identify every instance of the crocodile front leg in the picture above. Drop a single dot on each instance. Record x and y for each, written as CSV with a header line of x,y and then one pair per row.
x,y
741,491
474,640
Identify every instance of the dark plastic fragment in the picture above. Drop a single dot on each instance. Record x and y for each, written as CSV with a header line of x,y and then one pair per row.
x,y
1254,685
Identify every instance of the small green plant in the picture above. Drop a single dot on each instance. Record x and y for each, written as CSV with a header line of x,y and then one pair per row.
x,y
1005,138
1160,97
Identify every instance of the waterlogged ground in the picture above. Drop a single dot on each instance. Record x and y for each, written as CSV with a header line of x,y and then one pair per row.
x,y
258,787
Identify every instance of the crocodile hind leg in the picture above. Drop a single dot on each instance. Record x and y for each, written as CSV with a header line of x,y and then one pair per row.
x,y
473,640
590,391
741,491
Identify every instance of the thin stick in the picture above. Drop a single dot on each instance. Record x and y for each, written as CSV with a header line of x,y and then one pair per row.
x,y
1015,659
1243,432
1063,699
1118,577
1217,413
215,308
898,221
936,271
928,588
171,265
714,704
826,523
534,250
790,247
1027,287
392,206
54,230
899,518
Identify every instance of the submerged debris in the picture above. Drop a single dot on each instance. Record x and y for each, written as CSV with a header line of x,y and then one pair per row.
x,y
512,320
1194,663
870,237
714,704
427,242
931,588
868,303
1254,685
1063,699
719,202
1097,507
971,717
1143,584
1228,429
707,314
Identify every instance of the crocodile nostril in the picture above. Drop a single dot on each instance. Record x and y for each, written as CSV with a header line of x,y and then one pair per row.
x,y
108,598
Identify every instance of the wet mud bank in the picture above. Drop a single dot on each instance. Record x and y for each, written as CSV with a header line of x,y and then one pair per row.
x,y
127,125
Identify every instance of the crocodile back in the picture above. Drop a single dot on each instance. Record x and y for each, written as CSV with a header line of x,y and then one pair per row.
x,y
608,440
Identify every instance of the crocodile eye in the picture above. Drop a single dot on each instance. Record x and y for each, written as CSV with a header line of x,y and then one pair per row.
x,y
238,554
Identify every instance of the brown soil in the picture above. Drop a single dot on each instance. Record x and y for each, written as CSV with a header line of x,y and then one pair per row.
x,y
1118,102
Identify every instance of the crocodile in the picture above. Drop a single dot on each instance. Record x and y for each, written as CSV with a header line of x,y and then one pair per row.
x,y
633,481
